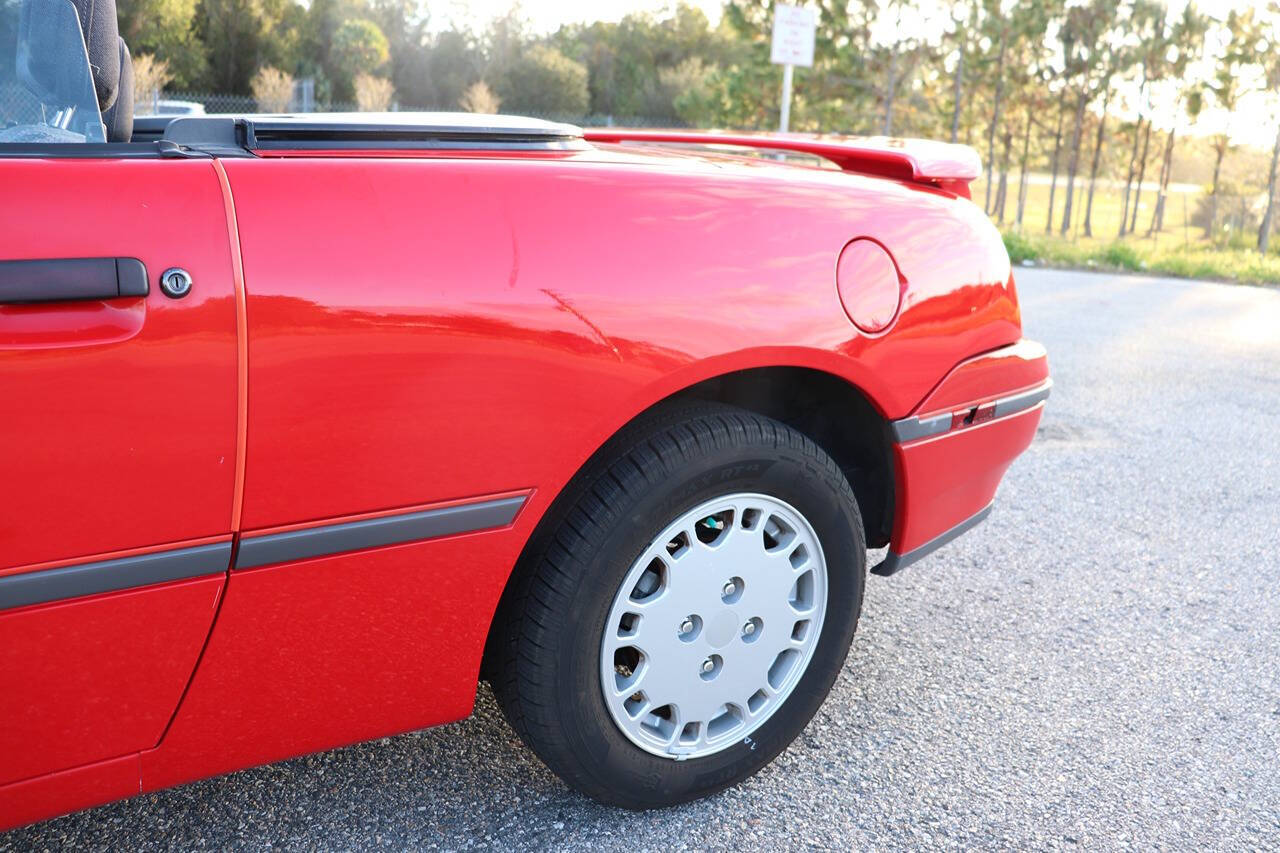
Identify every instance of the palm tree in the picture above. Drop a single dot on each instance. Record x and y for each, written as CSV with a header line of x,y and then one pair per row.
x,y
1148,25
1225,90
1186,43
1118,59
1085,51
1268,58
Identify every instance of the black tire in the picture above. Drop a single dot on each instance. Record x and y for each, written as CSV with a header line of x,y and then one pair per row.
x,y
545,669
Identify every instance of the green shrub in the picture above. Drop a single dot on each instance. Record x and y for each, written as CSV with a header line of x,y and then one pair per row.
x,y
1123,256
1020,248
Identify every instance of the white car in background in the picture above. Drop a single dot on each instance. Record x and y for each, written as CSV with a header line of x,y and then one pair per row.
x,y
169,108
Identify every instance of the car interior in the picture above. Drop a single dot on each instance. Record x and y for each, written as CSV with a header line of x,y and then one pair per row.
x,y
68,74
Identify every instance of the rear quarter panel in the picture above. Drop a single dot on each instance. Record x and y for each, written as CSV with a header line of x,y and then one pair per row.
x,y
430,329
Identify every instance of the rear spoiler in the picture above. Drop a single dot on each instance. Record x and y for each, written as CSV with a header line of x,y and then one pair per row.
x,y
949,167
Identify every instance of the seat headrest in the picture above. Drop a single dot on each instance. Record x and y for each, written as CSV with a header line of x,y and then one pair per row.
x,y
118,118
101,40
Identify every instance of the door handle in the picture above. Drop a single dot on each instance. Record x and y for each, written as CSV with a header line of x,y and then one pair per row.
x,y
71,280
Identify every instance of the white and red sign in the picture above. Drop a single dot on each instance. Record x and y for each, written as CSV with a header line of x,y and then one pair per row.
x,y
793,31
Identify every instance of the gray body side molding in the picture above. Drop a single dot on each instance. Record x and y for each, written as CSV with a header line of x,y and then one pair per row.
x,y
375,532
909,429
47,585
895,562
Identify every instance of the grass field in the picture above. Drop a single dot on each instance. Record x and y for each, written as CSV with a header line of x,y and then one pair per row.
x,y
1179,249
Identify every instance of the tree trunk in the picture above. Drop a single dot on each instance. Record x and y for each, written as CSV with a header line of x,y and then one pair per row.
x,y
955,112
888,98
1142,173
1264,230
1057,149
1128,180
1166,172
995,118
1073,165
1022,180
1003,192
1220,151
1097,156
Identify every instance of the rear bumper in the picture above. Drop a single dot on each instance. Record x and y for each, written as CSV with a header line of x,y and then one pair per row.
x,y
951,453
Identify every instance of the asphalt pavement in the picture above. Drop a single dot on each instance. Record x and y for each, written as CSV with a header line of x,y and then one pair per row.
x,y
1097,666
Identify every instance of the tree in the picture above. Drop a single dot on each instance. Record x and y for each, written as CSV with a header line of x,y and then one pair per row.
x,y
438,73
897,58
683,84
1147,23
359,47
1264,230
1003,40
1086,52
165,29
626,61
1267,51
1030,71
964,16
1028,124
1137,190
237,38
1133,166
1225,89
1118,57
1057,150
544,80
404,23
842,92
1186,43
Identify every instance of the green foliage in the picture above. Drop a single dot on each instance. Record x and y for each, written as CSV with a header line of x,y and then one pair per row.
x,y
628,60
358,47
165,29
437,74
238,36
1238,265
544,81
1123,256
1020,248
685,85
1084,89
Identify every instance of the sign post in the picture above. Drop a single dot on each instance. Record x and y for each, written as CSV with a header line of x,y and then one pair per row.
x,y
793,34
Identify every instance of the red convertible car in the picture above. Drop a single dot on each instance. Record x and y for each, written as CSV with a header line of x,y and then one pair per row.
x,y
311,422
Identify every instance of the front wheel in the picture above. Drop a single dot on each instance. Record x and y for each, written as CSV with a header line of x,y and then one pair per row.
x,y
686,611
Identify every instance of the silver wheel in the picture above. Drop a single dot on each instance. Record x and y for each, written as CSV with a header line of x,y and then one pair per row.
x,y
713,626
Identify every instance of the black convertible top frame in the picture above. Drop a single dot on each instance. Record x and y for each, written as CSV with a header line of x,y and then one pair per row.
x,y
243,134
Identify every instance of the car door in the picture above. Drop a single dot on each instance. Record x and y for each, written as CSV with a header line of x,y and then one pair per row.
x,y
118,429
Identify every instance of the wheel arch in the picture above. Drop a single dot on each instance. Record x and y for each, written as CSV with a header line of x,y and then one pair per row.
x,y
840,417
836,414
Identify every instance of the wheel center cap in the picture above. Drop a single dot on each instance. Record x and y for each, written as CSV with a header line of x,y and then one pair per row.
x,y
722,629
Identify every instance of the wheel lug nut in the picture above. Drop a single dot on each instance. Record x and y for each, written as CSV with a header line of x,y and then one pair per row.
x,y
686,626
748,629
729,589
708,665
